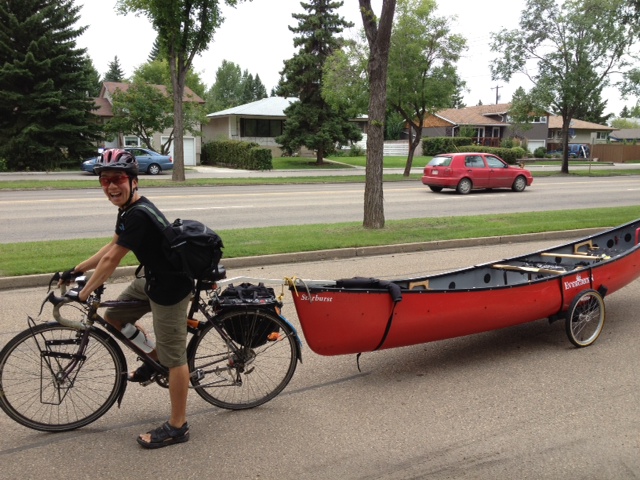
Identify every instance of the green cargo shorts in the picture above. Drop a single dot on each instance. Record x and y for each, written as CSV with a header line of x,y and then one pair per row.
x,y
169,322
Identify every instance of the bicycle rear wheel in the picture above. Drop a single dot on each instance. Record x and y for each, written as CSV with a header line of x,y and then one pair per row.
x,y
260,369
36,394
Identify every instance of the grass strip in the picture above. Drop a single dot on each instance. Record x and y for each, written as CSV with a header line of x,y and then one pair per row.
x,y
45,257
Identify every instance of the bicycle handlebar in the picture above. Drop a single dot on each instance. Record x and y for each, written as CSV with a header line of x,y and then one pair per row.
x,y
58,302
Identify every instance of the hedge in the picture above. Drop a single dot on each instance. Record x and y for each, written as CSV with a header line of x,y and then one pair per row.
x,y
435,145
236,154
509,155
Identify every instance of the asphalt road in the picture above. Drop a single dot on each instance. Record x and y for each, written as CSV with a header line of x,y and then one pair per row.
x,y
519,403
69,214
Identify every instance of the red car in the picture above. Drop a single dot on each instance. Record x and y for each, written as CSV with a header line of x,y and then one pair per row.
x,y
466,171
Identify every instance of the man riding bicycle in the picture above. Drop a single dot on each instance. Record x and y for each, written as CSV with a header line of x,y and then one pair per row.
x,y
167,291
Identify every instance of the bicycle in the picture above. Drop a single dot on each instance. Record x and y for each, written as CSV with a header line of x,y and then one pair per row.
x,y
65,374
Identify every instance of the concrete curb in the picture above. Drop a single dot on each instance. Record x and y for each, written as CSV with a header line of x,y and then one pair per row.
x,y
28,281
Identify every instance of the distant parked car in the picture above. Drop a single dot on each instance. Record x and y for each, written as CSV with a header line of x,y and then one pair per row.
x,y
467,171
149,161
576,150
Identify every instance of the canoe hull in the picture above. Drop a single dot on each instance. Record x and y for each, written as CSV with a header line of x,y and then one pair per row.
x,y
337,320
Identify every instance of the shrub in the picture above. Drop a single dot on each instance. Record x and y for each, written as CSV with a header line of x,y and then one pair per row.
x,y
3,165
507,143
236,154
356,151
540,152
435,145
520,152
509,155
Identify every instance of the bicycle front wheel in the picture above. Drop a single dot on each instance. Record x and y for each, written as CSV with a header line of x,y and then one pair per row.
x,y
41,389
249,369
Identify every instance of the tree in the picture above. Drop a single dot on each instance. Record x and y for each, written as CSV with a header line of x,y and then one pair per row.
x,y
576,45
422,76
379,39
523,109
142,109
46,114
114,72
155,53
592,109
311,121
185,28
635,111
158,73
93,78
625,112
232,87
621,123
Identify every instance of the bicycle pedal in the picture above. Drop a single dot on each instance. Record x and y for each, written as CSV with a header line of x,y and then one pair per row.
x,y
197,375
146,383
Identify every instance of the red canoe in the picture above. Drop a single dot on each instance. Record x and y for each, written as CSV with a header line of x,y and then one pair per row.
x,y
568,281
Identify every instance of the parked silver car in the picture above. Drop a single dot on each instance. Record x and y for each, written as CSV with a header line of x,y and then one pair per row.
x,y
149,161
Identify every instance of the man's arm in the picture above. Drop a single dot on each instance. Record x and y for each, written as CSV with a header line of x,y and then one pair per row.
x,y
109,260
92,262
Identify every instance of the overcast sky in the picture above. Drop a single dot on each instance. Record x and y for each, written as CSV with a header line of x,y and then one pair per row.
x,y
255,36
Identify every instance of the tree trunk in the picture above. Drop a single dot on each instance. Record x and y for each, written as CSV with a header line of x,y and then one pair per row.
x,y
378,37
320,156
414,142
566,122
178,75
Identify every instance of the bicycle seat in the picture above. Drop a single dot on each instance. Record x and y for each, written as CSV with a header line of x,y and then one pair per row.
x,y
214,276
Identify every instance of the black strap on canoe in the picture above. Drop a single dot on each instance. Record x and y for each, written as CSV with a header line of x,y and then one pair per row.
x,y
373,283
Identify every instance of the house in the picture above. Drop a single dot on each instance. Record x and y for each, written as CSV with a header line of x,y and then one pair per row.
x,y
628,135
259,122
104,112
490,124
579,132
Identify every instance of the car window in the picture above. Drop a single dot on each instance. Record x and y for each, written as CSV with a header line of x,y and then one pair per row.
x,y
495,162
473,161
137,152
440,162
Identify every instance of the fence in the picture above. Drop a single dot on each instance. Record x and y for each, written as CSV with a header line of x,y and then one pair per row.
x,y
615,153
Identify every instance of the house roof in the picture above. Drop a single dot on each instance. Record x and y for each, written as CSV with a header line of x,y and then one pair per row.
x,y
266,107
110,87
555,123
104,108
626,134
478,115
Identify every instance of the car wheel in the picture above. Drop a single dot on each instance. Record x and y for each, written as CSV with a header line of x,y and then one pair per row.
x,y
154,169
519,184
464,186
435,189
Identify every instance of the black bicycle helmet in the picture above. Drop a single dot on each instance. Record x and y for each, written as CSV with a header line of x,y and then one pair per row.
x,y
116,159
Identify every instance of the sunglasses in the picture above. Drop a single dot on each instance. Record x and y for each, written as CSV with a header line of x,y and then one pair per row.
x,y
117,179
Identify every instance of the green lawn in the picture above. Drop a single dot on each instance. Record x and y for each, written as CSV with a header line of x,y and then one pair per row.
x,y
47,257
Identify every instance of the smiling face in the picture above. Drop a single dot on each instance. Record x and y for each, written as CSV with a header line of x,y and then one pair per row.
x,y
117,187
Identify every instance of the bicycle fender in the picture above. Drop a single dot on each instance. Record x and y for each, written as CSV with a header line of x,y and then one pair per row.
x,y
296,336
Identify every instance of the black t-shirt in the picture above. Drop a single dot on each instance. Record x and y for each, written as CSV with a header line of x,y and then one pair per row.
x,y
138,233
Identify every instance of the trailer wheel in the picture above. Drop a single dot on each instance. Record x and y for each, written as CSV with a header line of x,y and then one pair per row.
x,y
585,318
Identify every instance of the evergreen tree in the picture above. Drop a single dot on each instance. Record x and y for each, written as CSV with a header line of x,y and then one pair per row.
x,y
311,121
95,84
592,110
232,87
46,114
625,112
114,73
155,53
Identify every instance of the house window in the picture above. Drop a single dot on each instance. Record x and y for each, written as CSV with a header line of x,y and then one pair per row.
x,y
539,119
131,141
602,135
253,127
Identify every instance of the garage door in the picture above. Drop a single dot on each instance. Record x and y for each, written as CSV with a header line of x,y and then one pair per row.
x,y
189,150
533,144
